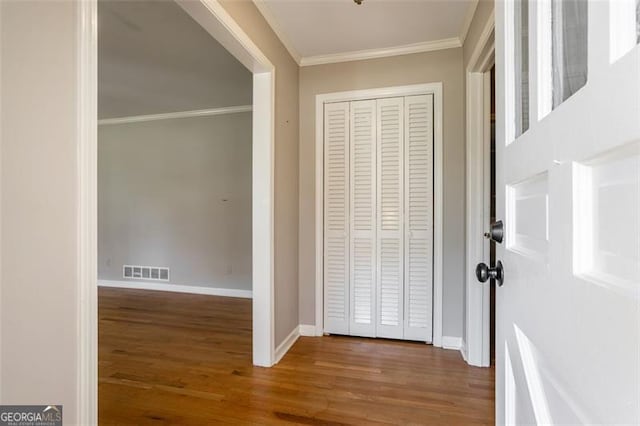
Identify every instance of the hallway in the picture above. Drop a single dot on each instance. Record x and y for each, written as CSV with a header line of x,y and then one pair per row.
x,y
171,358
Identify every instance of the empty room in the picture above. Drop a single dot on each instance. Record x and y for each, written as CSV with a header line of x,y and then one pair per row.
x,y
174,208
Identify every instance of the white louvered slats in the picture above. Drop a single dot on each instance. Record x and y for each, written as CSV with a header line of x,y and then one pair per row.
x,y
363,223
378,217
418,201
390,280
336,218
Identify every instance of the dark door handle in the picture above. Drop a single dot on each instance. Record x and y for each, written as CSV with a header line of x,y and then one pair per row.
x,y
483,273
496,232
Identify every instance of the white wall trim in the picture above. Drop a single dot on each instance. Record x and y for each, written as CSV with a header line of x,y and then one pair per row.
x,y
1,399
308,330
178,288
212,16
87,213
420,47
463,351
451,342
425,46
262,216
430,88
468,19
286,344
478,167
277,29
177,114
407,49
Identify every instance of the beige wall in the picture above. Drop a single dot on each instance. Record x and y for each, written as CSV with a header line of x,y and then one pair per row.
x,y
286,162
38,179
441,66
177,193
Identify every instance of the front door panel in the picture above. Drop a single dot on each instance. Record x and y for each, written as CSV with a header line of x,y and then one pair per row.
x,y
568,188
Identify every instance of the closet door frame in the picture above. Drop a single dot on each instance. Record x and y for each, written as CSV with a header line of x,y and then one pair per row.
x,y
386,92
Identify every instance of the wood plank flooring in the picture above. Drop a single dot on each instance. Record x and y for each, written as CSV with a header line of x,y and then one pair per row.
x,y
169,358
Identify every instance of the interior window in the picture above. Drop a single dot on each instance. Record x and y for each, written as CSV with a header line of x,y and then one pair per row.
x,y
569,52
521,25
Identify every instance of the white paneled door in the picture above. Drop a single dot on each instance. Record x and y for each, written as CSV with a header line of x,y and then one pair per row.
x,y
378,196
568,189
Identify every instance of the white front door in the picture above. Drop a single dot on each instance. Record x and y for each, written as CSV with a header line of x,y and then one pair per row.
x,y
568,189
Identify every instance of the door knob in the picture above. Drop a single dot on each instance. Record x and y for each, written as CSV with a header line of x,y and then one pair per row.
x,y
496,232
483,273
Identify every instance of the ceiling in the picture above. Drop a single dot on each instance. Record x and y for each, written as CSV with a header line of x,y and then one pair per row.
x,y
154,58
324,31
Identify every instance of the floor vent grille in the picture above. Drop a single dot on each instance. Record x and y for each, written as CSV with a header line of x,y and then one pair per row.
x,y
152,273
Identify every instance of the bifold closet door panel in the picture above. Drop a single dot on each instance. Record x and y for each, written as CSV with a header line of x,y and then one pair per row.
x,y
390,265
418,205
363,217
336,218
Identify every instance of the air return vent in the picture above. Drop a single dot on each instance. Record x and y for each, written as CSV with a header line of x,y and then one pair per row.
x,y
151,273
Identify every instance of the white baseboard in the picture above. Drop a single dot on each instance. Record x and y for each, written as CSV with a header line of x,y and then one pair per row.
x,y
308,330
286,344
449,342
463,351
210,291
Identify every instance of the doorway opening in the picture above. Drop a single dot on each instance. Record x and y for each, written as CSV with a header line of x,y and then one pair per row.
x,y
214,19
479,325
174,207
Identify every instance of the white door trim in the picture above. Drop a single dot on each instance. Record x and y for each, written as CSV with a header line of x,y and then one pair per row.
x,y
354,95
212,17
476,348
87,242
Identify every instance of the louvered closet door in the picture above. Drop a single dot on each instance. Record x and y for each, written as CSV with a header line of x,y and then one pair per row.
x,y
336,218
418,204
390,265
363,218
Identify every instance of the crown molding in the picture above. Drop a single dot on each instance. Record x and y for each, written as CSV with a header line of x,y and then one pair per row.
x,y
407,49
468,19
428,46
178,114
277,29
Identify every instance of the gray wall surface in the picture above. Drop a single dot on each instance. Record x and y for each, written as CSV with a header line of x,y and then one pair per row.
x,y
145,68
177,193
441,66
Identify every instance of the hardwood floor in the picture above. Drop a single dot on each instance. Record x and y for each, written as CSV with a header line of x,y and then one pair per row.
x,y
169,358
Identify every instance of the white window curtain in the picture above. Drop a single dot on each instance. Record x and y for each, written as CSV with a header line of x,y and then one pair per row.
x,y
637,21
521,71
569,56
